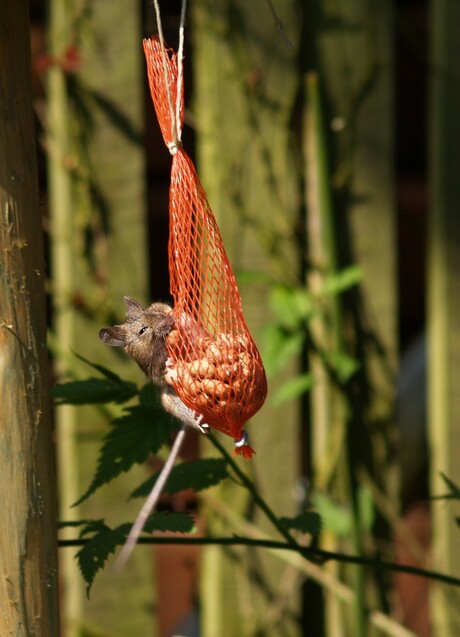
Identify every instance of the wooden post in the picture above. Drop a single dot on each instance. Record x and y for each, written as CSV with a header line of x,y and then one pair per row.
x,y
444,304
28,559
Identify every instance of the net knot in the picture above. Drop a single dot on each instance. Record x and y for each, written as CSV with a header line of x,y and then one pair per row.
x,y
243,440
242,447
174,146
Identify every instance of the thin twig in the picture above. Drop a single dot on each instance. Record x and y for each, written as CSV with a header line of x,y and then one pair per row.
x,y
279,25
306,551
246,482
151,501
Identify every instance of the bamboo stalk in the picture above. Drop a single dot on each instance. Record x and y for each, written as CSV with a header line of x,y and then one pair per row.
x,y
62,231
443,302
323,233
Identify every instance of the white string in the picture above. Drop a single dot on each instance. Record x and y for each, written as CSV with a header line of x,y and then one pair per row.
x,y
174,114
180,75
151,501
176,134
243,441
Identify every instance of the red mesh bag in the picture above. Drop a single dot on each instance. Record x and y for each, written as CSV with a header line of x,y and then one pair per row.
x,y
216,368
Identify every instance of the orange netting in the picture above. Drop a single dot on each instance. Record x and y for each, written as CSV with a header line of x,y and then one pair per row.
x,y
216,367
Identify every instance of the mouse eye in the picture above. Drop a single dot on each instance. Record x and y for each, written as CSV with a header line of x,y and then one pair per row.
x,y
142,330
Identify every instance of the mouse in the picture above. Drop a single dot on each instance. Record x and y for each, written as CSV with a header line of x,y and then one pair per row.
x,y
143,337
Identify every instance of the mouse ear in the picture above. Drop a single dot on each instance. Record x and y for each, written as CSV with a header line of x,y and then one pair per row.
x,y
133,306
114,336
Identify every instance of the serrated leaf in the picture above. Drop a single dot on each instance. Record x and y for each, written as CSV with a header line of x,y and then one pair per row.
x,y
194,474
454,490
93,555
342,281
130,440
306,522
93,391
293,388
149,396
173,522
64,524
93,526
279,347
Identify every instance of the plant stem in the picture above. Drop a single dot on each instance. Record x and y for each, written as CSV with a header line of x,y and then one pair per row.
x,y
306,551
247,483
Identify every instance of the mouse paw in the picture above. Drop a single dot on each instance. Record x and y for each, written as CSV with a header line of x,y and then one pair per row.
x,y
170,375
202,426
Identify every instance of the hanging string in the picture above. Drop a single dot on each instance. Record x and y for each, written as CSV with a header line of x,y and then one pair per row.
x,y
151,501
180,67
176,134
176,130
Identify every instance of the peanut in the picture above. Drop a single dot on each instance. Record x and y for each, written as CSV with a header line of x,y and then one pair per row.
x,y
242,342
173,338
215,388
226,371
217,375
202,367
237,388
226,340
215,354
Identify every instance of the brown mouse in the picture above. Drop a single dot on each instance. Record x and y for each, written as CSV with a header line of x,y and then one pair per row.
x,y
143,337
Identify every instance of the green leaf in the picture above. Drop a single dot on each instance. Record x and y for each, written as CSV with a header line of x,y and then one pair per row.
x,y
306,522
342,281
335,517
344,366
279,347
194,474
253,276
293,388
130,440
291,305
103,370
93,555
93,391
338,518
366,506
